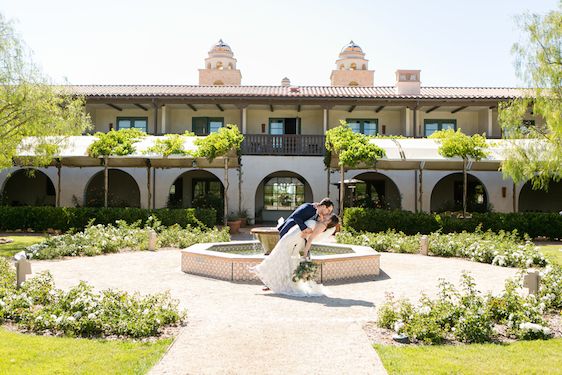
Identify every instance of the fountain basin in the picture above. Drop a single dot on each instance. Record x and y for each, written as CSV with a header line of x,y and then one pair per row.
x,y
268,236
232,261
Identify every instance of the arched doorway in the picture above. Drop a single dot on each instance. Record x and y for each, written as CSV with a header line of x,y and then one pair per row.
x,y
541,200
447,194
372,190
29,187
197,189
279,193
122,190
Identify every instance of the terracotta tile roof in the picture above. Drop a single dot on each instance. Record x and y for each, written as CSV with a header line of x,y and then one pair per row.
x,y
384,92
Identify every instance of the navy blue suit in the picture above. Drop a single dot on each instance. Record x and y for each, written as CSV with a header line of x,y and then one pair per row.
x,y
303,213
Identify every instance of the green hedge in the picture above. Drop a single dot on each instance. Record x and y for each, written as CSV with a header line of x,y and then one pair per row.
x,y
373,220
64,218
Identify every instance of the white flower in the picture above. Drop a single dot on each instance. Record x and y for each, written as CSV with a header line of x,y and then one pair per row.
x,y
71,319
424,310
91,316
398,326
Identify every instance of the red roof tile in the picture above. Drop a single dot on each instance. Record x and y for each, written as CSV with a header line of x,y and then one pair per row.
x,y
93,91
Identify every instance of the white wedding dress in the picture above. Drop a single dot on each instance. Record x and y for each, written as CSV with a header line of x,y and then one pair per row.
x,y
276,270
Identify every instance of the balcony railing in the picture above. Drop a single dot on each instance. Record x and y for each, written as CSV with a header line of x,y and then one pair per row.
x,y
287,144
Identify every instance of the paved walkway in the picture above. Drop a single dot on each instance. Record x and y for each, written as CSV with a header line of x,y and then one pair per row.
x,y
238,329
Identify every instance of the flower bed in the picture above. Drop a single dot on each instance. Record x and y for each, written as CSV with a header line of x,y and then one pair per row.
x,y
503,249
468,316
81,311
104,239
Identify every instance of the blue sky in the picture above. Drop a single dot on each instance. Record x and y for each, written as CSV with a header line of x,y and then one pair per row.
x,y
454,43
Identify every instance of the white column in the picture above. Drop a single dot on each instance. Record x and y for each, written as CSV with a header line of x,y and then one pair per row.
x,y
325,121
409,132
490,123
163,127
244,119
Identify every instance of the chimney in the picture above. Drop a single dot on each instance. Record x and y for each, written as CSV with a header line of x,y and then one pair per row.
x,y
285,82
407,82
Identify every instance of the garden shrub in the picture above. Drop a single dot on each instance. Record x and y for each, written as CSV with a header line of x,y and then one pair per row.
x,y
550,290
534,224
66,218
503,249
81,311
467,315
176,236
104,239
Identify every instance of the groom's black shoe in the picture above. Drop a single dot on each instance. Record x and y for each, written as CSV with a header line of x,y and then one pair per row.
x,y
265,289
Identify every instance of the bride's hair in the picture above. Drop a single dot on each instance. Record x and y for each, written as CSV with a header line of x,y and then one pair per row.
x,y
334,220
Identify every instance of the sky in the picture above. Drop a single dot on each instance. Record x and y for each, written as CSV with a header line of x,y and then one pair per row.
x,y
454,43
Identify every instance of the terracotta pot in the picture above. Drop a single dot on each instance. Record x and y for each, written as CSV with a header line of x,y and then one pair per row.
x,y
234,226
243,222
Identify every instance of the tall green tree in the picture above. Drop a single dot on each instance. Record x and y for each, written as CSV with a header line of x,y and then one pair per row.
x,y
220,144
351,149
30,106
457,144
113,143
538,62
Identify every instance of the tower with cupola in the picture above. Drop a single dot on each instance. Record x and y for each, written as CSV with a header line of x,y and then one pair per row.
x,y
352,69
220,67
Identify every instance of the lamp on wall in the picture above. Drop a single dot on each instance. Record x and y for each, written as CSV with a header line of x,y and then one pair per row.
x,y
263,128
194,163
504,191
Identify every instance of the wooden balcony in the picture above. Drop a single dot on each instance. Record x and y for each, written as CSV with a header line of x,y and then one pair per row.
x,y
287,144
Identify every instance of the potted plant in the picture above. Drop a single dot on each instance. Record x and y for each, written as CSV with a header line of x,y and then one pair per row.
x,y
233,223
243,216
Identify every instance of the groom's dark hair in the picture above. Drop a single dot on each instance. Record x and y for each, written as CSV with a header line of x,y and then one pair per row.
x,y
326,202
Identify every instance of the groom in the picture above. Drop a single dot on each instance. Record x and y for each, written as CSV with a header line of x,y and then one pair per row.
x,y
306,212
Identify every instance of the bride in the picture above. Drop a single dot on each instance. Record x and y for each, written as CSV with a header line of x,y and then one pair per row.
x,y
276,270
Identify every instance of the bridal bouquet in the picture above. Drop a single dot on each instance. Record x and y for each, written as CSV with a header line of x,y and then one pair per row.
x,y
305,271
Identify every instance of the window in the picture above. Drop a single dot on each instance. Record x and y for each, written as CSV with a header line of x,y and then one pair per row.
x,y
431,126
363,126
522,131
132,123
206,125
283,193
279,126
203,188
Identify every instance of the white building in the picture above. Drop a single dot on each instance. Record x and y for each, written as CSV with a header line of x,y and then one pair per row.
x,y
282,162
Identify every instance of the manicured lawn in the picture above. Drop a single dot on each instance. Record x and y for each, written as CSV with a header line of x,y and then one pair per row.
x,y
19,244
28,354
553,253
526,357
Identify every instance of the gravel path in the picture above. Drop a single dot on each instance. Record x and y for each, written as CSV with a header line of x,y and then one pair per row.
x,y
238,329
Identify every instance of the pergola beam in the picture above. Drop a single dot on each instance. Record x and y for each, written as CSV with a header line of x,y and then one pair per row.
x,y
193,108
458,109
298,107
380,108
432,109
271,108
114,107
141,106
351,108
219,107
